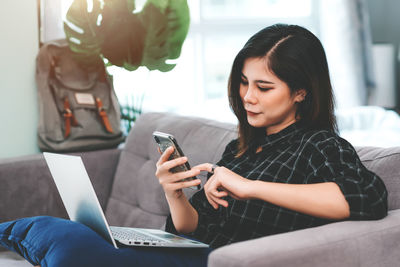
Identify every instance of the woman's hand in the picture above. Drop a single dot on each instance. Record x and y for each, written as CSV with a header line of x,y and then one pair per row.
x,y
224,182
172,182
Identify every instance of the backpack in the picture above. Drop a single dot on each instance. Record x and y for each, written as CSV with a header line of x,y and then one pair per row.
x,y
78,108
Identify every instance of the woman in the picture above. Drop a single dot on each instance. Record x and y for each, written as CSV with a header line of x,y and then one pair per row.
x,y
287,170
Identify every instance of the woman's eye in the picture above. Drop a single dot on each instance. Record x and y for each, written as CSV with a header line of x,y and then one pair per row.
x,y
263,89
243,82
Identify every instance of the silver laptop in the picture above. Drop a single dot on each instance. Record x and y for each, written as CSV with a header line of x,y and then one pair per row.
x,y
82,206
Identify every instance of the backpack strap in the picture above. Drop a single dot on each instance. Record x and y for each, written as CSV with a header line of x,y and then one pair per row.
x,y
103,115
69,118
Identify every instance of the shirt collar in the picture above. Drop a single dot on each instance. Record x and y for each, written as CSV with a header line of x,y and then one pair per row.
x,y
282,135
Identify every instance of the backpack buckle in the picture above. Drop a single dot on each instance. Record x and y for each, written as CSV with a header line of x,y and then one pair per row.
x,y
69,118
103,115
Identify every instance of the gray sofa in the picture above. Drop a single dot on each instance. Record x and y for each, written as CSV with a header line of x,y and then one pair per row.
x,y
131,196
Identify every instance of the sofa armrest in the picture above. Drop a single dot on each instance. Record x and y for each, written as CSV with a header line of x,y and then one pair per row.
x,y
349,243
27,189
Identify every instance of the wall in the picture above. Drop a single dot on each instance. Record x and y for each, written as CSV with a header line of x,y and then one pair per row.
x,y
385,21
18,48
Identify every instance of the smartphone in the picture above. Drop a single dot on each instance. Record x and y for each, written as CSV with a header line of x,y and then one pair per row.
x,y
164,141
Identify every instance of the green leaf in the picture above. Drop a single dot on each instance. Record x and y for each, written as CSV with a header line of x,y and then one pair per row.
x,y
86,42
160,4
127,39
166,30
178,26
123,43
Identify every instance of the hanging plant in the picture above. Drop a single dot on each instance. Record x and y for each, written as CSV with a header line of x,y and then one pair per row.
x,y
115,31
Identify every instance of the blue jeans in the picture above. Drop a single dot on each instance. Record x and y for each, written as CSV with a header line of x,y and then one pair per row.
x,y
55,242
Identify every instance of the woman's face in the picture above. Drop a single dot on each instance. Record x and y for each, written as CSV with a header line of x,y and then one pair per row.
x,y
267,100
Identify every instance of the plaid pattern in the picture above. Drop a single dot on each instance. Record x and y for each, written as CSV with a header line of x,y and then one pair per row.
x,y
295,155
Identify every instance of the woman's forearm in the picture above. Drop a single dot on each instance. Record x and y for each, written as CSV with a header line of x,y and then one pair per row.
x,y
323,200
184,216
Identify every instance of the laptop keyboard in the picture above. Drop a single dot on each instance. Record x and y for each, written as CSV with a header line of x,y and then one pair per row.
x,y
131,234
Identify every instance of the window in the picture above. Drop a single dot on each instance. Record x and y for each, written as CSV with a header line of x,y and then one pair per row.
x,y
198,84
219,28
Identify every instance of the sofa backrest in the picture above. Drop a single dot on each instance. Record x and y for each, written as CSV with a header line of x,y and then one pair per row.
x,y
137,198
385,162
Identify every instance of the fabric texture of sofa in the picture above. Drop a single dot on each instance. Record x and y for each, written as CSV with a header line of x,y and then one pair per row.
x,y
130,195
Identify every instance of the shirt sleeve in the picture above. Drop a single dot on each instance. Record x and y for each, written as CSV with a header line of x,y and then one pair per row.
x,y
337,161
209,218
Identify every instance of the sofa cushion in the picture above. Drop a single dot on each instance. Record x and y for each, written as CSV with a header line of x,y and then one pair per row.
x,y
385,162
137,198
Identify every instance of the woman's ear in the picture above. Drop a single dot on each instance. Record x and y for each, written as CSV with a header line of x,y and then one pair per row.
x,y
300,95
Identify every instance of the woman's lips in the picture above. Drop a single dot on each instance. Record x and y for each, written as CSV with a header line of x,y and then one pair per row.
x,y
251,113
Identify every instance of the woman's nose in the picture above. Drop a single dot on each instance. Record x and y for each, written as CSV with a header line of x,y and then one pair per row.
x,y
250,96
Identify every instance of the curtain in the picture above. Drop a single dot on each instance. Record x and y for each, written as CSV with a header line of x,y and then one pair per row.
x,y
346,35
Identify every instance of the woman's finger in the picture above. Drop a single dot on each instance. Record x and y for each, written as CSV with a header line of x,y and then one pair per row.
x,y
204,167
219,201
176,177
211,201
174,162
209,188
184,184
165,156
220,194
213,195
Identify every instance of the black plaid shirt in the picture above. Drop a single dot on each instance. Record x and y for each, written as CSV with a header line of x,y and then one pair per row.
x,y
295,155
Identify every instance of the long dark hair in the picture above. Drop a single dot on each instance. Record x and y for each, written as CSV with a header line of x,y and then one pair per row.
x,y
295,56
